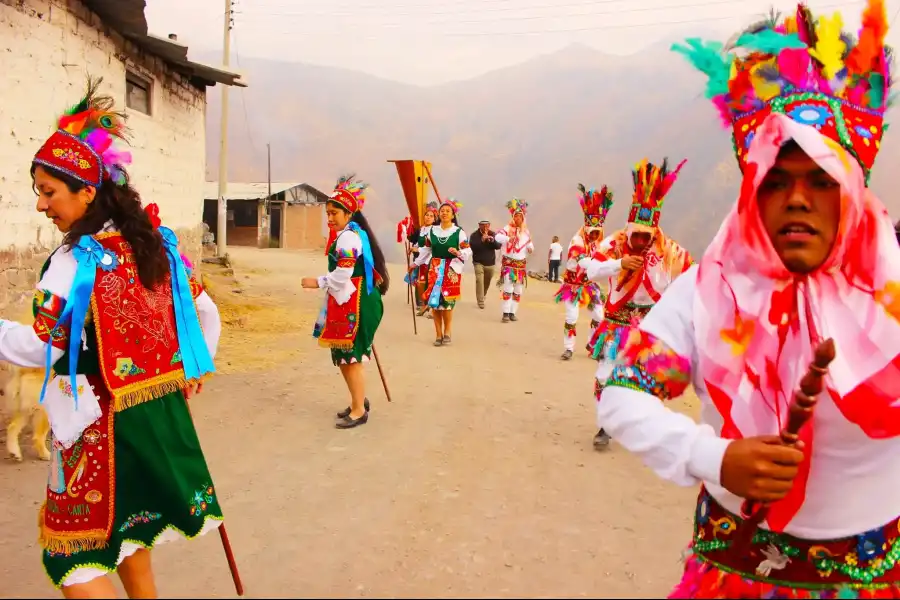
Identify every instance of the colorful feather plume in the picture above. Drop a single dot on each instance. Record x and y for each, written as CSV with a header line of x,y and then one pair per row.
x,y
595,204
356,189
801,53
517,205
652,183
452,203
95,122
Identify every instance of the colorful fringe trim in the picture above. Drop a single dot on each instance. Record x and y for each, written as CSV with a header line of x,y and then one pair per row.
x,y
586,295
513,275
608,340
704,580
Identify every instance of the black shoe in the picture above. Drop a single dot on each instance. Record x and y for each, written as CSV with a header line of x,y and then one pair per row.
x,y
513,317
566,355
505,318
348,423
346,412
601,440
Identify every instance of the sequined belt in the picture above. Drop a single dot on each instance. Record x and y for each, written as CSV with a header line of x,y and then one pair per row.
x,y
513,263
629,311
867,560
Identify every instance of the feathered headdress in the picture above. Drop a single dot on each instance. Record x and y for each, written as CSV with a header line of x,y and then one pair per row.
x,y
349,193
595,205
452,203
651,184
806,68
83,146
517,205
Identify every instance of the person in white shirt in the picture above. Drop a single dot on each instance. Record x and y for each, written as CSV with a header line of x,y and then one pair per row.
x,y
806,254
516,243
554,259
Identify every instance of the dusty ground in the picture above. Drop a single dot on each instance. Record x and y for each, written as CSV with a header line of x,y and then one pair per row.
x,y
479,480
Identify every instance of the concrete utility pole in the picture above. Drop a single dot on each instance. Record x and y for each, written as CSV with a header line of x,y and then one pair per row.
x,y
221,242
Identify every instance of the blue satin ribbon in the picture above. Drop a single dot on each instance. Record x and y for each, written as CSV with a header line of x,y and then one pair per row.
x,y
434,299
195,357
90,255
368,259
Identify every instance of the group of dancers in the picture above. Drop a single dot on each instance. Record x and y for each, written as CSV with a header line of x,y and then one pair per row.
x,y
788,329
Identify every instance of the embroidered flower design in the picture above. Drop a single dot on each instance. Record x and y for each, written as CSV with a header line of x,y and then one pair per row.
x,y
201,500
71,156
739,337
65,386
141,517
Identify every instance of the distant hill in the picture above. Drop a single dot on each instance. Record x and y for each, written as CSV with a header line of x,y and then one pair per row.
x,y
533,130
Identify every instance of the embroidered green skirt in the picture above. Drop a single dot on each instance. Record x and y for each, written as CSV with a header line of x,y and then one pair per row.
x,y
163,489
371,311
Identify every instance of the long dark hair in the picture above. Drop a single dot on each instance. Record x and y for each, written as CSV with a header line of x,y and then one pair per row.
x,y
377,254
122,205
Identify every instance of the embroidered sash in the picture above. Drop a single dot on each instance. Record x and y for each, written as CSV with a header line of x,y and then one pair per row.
x,y
341,320
80,505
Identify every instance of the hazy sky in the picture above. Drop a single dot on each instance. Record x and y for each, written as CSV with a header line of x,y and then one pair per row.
x,y
433,41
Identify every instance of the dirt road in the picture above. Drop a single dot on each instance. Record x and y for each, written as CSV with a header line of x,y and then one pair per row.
x,y
479,480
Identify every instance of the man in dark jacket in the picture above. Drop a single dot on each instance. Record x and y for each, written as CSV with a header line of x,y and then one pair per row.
x,y
484,255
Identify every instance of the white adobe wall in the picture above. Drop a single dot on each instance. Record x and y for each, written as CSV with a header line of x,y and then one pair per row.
x,y
46,52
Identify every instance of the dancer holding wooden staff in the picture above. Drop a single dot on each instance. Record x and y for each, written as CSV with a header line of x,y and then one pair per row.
x,y
127,472
352,309
808,253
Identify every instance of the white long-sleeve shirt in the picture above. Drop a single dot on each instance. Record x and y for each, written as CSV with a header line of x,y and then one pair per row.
x,y
339,283
20,344
524,245
457,263
854,480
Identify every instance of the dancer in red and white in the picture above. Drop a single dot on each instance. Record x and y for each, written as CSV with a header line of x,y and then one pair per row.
x,y
646,262
577,291
806,254
516,246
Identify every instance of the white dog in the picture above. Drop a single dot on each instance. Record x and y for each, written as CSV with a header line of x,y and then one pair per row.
x,y
22,392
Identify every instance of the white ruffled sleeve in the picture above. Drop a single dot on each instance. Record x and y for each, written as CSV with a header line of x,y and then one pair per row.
x,y
631,405
424,251
338,283
465,250
25,345
501,236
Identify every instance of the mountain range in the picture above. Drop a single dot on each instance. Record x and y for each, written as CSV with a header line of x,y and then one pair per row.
x,y
533,130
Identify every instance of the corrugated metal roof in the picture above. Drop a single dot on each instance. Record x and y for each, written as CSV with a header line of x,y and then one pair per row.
x,y
256,190
127,17
176,54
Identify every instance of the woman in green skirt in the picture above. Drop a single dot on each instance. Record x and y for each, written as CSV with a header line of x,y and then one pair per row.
x,y
118,327
356,281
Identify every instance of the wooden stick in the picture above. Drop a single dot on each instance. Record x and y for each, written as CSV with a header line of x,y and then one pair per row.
x,y
411,288
387,392
223,535
799,413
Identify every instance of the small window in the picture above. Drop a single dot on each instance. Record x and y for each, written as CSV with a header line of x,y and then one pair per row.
x,y
137,93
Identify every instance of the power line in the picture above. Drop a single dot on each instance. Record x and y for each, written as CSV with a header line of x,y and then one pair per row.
x,y
574,29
